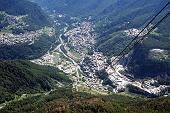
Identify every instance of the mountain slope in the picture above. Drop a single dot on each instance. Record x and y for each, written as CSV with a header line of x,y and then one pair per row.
x,y
75,7
66,101
121,22
124,15
19,77
25,30
36,16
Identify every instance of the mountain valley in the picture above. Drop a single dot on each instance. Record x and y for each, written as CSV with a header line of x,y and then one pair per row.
x,y
61,54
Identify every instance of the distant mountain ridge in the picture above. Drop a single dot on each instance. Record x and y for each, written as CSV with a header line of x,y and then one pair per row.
x,y
75,7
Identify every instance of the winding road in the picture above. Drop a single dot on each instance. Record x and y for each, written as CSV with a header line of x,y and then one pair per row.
x,y
74,63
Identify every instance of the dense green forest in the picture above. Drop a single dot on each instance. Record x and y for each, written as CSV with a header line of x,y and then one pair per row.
x,y
65,101
19,77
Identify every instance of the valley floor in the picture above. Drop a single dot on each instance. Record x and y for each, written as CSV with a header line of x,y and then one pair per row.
x,y
72,57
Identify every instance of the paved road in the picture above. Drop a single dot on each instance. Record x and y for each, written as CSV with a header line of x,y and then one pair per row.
x,y
74,63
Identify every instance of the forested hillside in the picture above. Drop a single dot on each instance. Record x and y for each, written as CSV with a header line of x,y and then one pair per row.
x,y
36,17
118,19
24,77
124,15
25,30
66,101
80,8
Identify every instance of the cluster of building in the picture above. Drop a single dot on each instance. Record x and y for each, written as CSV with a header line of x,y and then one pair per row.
x,y
28,37
44,60
94,83
90,65
80,38
14,21
135,32
132,32
152,87
18,22
97,61
158,54
11,39
62,64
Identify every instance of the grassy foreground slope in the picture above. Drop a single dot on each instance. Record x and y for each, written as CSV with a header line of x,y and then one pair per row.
x,y
19,77
66,101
